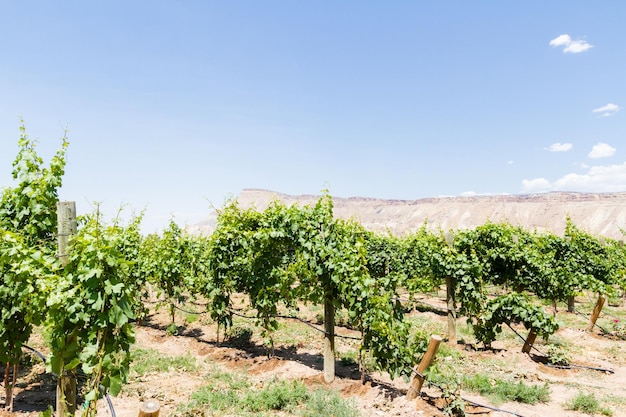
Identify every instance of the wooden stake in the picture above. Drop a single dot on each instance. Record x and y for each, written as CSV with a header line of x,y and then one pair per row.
x,y
596,312
530,340
9,383
451,310
418,380
66,383
329,340
150,409
571,304
66,226
66,395
450,301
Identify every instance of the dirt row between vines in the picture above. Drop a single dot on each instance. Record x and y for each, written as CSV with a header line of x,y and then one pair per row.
x,y
379,396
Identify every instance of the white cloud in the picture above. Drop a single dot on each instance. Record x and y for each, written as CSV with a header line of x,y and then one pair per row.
x,y
537,185
561,40
559,147
598,179
601,150
570,46
608,110
577,46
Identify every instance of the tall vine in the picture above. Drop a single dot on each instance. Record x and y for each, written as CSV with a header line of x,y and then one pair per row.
x,y
93,304
27,265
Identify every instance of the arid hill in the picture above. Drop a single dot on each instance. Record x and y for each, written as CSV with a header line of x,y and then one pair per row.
x,y
598,214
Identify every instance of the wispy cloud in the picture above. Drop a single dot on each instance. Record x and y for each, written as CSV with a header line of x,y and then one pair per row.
x,y
608,110
559,147
601,150
569,45
598,179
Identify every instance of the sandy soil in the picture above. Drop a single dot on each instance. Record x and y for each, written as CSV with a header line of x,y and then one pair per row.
x,y
379,396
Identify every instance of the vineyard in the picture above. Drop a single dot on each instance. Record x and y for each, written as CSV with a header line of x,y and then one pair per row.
x,y
296,284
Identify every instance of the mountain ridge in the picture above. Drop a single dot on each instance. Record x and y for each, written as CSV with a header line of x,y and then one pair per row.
x,y
600,214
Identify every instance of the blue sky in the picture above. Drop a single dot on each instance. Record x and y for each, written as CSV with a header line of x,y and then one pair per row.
x,y
173,106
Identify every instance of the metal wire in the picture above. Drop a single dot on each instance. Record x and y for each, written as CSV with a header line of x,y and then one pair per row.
x,y
595,324
295,318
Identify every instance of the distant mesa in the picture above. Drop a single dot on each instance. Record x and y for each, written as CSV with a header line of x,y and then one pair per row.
x,y
600,214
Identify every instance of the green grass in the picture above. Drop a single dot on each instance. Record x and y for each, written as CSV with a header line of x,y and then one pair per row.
x,y
588,404
500,390
145,361
426,327
291,332
350,358
276,395
273,396
323,402
191,318
232,394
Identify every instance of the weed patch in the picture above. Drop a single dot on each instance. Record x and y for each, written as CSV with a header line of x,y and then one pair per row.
x,y
500,391
588,404
146,361
233,395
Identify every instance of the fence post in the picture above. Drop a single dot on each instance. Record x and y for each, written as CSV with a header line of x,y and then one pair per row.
x,y
329,340
451,310
450,301
66,226
418,380
596,312
530,340
66,383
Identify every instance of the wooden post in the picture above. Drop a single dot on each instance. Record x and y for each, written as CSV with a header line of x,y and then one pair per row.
x,y
66,383
530,340
450,301
329,340
9,382
66,395
571,304
150,408
418,380
451,310
596,312
66,226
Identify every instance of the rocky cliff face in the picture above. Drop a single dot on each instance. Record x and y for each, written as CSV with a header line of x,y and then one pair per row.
x,y
598,214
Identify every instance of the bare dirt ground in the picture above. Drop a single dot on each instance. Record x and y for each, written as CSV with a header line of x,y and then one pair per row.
x,y
379,396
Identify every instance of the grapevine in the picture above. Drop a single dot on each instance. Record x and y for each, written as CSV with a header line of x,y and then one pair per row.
x,y
92,306
27,265
171,265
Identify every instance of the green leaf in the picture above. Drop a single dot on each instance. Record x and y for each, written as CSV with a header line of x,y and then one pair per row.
x,y
72,364
115,385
